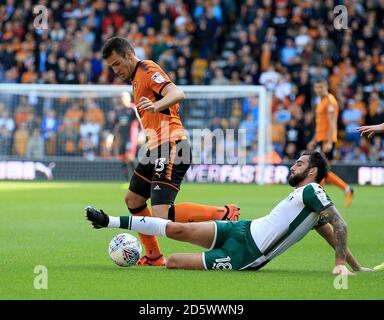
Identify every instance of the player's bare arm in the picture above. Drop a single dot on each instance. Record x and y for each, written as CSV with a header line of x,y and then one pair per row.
x,y
171,96
332,216
326,231
370,131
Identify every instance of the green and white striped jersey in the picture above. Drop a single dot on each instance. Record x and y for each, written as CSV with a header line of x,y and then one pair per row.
x,y
290,220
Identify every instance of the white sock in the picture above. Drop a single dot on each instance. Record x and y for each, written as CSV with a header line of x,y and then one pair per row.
x,y
147,225
114,222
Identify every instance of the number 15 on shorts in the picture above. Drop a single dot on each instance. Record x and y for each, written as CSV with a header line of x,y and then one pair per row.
x,y
159,164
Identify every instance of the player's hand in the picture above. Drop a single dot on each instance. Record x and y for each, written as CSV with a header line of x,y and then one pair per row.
x,y
146,105
311,145
327,147
341,269
370,131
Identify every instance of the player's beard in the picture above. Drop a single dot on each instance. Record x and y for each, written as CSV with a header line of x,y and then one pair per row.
x,y
294,180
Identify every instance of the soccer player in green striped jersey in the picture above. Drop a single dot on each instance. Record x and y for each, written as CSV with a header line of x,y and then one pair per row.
x,y
251,244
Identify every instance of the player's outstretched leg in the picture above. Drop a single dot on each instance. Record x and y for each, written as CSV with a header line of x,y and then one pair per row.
x,y
200,233
100,219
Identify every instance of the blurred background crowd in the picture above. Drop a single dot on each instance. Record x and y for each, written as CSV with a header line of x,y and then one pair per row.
x,y
282,44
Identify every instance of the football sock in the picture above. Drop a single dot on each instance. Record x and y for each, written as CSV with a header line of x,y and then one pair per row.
x,y
114,222
149,226
337,181
151,245
191,212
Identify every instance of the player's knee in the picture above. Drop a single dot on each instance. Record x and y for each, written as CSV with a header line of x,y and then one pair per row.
x,y
172,262
132,201
127,199
160,211
175,230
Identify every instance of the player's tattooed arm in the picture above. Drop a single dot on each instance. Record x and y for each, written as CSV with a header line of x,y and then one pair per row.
x,y
340,230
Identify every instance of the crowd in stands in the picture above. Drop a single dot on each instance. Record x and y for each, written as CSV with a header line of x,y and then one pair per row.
x,y
284,45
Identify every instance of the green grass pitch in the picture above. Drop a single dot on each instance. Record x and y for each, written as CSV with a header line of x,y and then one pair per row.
x,y
43,224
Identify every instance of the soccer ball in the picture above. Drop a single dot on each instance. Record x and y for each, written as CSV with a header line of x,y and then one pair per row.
x,y
124,250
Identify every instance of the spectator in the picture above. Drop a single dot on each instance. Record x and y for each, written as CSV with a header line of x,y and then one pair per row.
x,y
90,129
356,155
251,106
308,127
289,53
251,130
5,140
88,147
219,79
352,119
35,147
376,151
50,144
375,109
270,78
21,138
282,115
278,136
293,135
74,114
114,18
94,112
290,152
49,124
68,138
6,121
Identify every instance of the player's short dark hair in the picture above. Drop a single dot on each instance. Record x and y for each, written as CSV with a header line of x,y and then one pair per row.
x,y
118,44
317,160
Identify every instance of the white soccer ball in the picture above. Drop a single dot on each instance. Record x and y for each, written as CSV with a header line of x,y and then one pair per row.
x,y
124,249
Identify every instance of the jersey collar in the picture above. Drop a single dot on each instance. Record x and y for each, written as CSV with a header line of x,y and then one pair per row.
x,y
134,71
